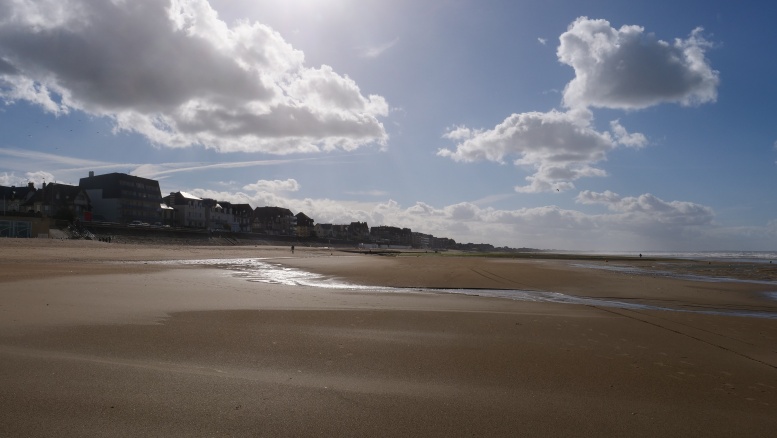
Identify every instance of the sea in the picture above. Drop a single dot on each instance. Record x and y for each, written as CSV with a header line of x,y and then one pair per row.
x,y
731,256
271,271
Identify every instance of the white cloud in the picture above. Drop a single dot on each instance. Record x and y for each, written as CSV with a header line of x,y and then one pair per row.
x,y
623,137
542,41
554,136
458,133
628,69
40,176
647,208
606,198
620,69
462,212
175,73
274,186
10,179
162,169
376,51
560,147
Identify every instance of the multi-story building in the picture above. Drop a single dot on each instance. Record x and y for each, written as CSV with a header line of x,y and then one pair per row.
x,y
18,217
59,201
387,235
219,216
274,221
304,225
244,215
123,198
323,231
443,243
422,241
340,231
168,214
359,231
189,210
14,197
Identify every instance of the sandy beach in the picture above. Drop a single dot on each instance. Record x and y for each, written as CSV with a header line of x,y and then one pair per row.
x,y
101,339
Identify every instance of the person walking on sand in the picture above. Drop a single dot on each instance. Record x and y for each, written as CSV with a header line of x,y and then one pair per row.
x,y
292,249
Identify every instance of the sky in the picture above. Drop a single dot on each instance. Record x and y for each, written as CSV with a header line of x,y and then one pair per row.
x,y
552,124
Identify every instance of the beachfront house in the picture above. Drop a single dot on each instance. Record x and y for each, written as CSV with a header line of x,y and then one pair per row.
x,y
59,201
244,216
359,231
388,235
17,218
219,216
276,221
168,214
340,232
304,225
443,243
14,197
422,241
190,211
323,231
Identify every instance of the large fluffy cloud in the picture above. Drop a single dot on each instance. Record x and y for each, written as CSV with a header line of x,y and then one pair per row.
x,y
614,68
560,147
173,71
628,69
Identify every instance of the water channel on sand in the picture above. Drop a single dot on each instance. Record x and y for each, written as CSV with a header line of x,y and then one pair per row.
x,y
264,271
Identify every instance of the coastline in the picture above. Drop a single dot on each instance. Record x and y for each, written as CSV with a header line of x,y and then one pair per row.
x,y
95,341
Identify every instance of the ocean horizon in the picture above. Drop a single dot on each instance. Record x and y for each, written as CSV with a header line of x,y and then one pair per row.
x,y
733,256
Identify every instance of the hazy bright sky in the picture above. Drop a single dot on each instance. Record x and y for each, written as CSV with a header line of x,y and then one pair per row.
x,y
564,124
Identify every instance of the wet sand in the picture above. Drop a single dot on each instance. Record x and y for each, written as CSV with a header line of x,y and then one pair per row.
x,y
94,342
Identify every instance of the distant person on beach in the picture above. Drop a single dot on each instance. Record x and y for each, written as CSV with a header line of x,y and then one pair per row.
x,y
292,249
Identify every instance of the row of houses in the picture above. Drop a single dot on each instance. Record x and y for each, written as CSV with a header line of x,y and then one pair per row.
x,y
53,200
131,200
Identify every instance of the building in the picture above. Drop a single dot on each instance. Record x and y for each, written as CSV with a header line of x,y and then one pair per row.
x,y
123,198
323,231
219,216
168,214
14,197
340,232
59,201
274,221
244,215
304,225
422,241
18,217
359,231
387,235
443,243
190,211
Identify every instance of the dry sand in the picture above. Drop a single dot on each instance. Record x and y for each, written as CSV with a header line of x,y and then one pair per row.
x,y
95,342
